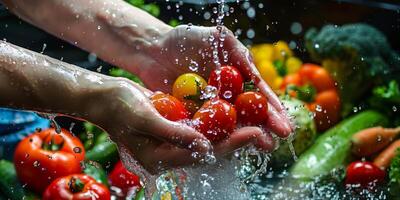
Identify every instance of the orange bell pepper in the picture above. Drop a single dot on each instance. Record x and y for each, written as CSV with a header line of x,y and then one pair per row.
x,y
314,85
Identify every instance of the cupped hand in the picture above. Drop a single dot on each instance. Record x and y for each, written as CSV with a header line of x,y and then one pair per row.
x,y
200,49
158,143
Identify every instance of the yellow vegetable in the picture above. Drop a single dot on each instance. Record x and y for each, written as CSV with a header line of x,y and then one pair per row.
x,y
282,51
269,73
293,65
263,52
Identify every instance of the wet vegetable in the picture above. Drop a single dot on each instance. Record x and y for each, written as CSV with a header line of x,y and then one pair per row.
x,y
305,136
365,174
369,141
252,108
340,49
123,179
314,85
169,107
187,89
104,152
228,81
95,171
44,156
216,119
77,187
333,149
384,158
394,175
10,187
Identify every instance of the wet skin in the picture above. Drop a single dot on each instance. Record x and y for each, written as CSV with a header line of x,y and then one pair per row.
x,y
130,38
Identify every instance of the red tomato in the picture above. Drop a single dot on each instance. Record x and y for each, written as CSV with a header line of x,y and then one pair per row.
x,y
364,173
169,107
216,119
252,108
229,82
76,187
44,156
123,179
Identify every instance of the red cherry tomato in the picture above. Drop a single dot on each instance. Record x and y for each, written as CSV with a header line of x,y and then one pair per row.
x,y
229,81
123,179
169,107
216,119
366,174
251,108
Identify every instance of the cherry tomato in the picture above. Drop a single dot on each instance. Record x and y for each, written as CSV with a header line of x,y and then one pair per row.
x,y
366,174
123,179
76,187
252,108
216,119
169,107
228,81
44,156
187,88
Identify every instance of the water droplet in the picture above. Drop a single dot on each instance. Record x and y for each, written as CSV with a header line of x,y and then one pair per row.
x,y
77,150
227,94
318,108
36,163
394,109
193,65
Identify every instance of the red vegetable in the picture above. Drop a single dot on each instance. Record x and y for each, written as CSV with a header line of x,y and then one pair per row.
x,y
44,156
252,108
76,187
123,179
169,107
228,81
216,119
366,174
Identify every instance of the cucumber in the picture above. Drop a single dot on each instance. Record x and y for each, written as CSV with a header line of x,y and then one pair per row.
x,y
332,149
9,184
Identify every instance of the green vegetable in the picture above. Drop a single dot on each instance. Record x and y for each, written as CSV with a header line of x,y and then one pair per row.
x,y
140,195
305,133
9,184
151,8
332,149
386,98
354,54
95,170
105,153
122,73
394,175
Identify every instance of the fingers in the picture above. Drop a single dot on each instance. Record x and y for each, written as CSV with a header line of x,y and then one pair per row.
x,y
180,135
278,124
243,137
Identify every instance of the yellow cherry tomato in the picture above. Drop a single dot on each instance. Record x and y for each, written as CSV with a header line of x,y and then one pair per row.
x,y
187,88
282,51
268,73
293,65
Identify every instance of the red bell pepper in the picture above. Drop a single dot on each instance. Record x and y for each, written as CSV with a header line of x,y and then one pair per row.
x,y
44,156
76,187
314,85
123,179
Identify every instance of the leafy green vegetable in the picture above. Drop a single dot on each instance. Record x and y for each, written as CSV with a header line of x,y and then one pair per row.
x,y
394,174
151,8
390,93
305,133
354,54
122,73
386,98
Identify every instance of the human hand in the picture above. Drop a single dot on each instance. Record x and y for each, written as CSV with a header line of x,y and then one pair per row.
x,y
156,142
171,54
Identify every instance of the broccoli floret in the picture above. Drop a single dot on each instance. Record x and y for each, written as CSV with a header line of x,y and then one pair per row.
x,y
357,55
394,174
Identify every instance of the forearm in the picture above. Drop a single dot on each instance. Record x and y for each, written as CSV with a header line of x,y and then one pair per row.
x,y
112,29
32,81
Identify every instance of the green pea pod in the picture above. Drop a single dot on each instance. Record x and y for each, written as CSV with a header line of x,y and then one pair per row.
x,y
10,187
332,149
105,153
97,172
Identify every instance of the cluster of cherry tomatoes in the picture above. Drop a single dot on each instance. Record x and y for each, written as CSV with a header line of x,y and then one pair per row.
x,y
215,115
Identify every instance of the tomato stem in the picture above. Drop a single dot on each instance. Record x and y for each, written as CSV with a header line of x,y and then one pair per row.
x,y
52,145
75,185
304,93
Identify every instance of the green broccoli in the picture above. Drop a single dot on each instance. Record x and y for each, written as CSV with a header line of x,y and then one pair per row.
x,y
305,132
357,55
394,174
